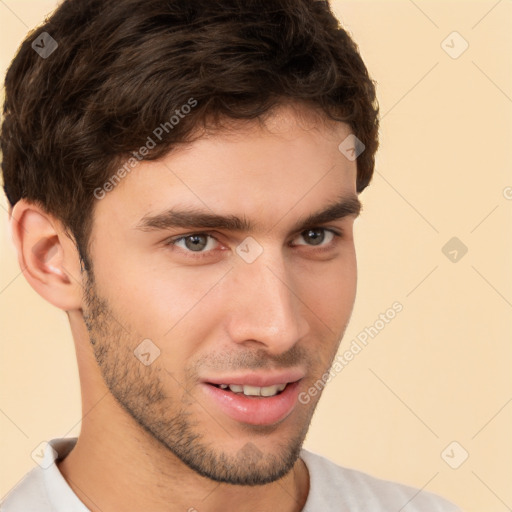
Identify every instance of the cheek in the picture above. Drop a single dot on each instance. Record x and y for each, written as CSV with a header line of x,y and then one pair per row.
x,y
163,302
329,290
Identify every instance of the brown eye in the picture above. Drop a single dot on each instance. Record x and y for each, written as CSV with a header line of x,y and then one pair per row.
x,y
315,237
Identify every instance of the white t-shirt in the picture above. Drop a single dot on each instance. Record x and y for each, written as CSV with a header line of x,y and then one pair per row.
x,y
332,489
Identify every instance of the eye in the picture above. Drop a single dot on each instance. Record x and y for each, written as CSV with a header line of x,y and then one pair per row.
x,y
316,237
204,243
195,242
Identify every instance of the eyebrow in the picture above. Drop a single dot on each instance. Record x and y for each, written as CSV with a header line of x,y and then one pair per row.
x,y
346,206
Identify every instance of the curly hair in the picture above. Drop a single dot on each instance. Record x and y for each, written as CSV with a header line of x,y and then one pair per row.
x,y
123,68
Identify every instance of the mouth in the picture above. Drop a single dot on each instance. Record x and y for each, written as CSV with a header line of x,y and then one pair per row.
x,y
253,391
254,399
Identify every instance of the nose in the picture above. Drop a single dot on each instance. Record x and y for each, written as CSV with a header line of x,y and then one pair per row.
x,y
265,309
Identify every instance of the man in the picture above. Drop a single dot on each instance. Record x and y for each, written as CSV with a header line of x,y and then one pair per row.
x,y
184,178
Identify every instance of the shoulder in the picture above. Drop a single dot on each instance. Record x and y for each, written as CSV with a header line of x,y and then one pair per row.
x,y
334,487
44,489
29,495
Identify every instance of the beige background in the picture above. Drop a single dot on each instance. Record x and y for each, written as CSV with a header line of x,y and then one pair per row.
x,y
440,371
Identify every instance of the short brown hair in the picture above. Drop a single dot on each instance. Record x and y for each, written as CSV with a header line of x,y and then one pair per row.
x,y
122,68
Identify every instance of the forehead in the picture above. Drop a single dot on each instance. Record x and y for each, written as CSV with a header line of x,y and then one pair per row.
x,y
285,167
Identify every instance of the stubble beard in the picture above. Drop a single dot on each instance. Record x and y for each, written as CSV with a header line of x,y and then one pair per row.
x,y
139,390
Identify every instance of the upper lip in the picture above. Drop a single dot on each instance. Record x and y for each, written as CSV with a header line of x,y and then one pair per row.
x,y
259,379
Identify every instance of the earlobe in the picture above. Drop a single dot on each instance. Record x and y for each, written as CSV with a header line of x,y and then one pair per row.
x,y
47,257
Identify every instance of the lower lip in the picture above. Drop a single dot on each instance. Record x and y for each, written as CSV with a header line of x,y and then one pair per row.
x,y
255,410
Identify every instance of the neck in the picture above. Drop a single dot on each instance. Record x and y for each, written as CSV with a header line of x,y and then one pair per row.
x,y
117,465
110,470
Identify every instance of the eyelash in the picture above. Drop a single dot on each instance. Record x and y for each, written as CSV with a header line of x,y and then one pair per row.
x,y
201,254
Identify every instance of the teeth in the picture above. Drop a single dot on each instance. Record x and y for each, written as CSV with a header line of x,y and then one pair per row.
x,y
269,391
254,390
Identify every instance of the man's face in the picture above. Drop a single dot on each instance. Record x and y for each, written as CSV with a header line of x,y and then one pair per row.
x,y
228,316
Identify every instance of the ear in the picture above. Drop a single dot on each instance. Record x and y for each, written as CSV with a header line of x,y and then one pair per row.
x,y
47,256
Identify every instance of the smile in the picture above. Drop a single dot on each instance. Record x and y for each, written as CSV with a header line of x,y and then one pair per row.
x,y
255,398
247,390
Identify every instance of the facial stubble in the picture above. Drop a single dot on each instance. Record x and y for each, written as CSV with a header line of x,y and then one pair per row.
x,y
169,419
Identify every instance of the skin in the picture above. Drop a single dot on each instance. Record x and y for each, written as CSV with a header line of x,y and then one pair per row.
x,y
150,438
